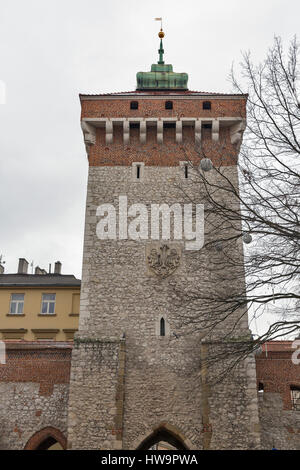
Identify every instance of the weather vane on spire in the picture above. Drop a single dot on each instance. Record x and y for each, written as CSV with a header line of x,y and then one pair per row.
x,y
161,35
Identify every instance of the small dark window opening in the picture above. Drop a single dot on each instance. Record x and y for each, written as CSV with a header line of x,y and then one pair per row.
x,y
162,327
207,126
186,171
206,105
134,125
138,171
169,125
261,387
169,105
134,105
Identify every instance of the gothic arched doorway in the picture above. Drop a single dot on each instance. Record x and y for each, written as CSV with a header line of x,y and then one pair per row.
x,y
47,439
163,438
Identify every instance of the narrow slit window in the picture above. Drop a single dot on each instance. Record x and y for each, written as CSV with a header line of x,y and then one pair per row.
x,y
169,105
138,172
206,105
186,171
162,327
134,105
261,387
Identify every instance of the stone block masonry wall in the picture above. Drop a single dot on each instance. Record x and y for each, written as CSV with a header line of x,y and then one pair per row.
x,y
96,400
118,292
34,390
162,381
123,390
232,420
280,428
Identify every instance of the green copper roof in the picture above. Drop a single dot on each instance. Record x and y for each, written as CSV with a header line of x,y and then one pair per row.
x,y
161,76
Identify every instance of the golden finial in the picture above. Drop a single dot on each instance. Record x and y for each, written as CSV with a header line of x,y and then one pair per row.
x,y
161,34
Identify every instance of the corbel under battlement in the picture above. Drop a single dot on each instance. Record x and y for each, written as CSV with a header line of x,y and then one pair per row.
x,y
236,125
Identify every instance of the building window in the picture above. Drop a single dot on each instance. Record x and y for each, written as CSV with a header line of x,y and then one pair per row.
x,y
186,171
206,105
162,327
169,125
169,105
134,105
16,304
134,125
48,304
75,304
261,387
138,171
295,397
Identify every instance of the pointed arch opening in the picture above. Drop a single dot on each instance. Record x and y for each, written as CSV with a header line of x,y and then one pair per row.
x,y
48,438
164,437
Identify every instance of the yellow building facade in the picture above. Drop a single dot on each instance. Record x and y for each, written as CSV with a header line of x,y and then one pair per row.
x,y
40,306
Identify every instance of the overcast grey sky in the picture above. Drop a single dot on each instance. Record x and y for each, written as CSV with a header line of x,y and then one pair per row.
x,y
52,50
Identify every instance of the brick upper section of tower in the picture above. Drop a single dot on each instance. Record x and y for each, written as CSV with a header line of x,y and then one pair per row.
x,y
127,127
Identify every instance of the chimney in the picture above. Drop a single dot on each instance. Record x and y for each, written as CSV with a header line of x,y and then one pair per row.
x,y
38,270
23,266
1,269
57,267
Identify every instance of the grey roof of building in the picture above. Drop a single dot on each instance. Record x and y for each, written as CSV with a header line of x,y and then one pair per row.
x,y
36,280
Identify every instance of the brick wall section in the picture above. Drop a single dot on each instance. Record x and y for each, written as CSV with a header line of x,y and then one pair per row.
x,y
280,425
276,370
168,153
165,155
113,108
46,365
34,390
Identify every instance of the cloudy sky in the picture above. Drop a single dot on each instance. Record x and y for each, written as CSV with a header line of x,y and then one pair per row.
x,y
52,50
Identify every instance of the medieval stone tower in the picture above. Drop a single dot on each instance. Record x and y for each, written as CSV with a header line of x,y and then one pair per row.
x,y
137,369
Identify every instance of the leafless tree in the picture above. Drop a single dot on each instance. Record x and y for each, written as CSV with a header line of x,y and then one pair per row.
x,y
259,215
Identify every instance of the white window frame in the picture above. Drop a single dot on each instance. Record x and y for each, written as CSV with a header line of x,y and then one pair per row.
x,y
295,397
48,302
17,302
